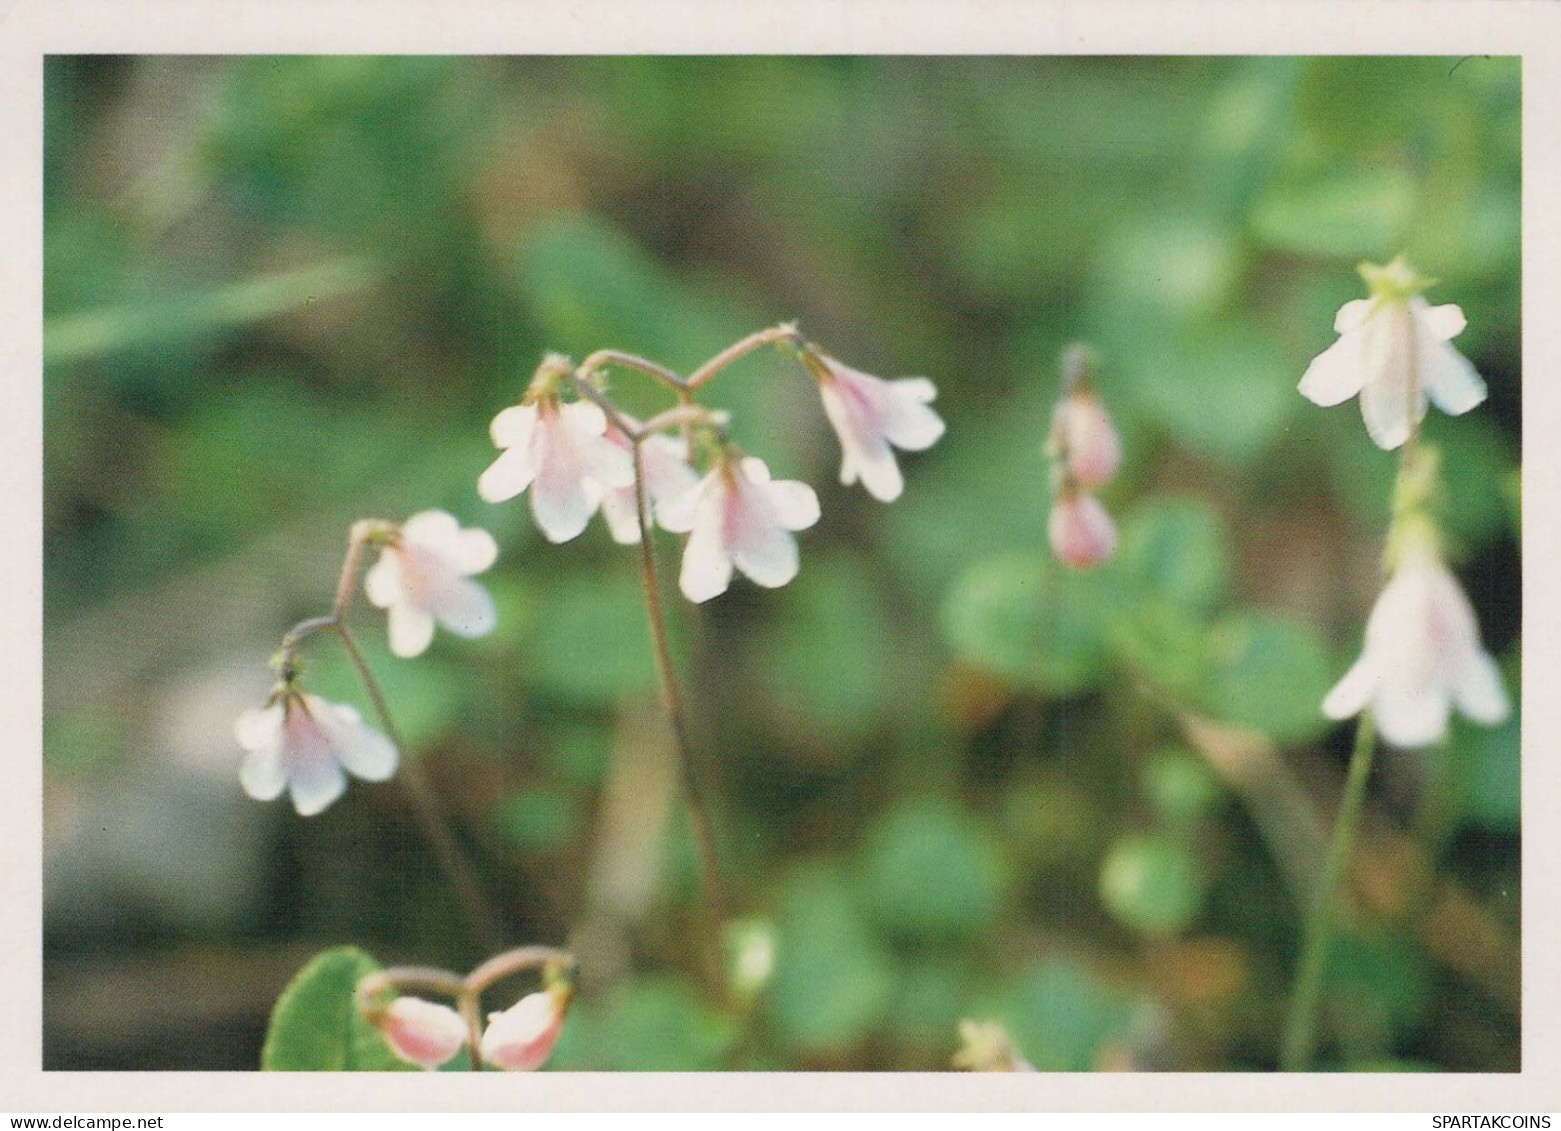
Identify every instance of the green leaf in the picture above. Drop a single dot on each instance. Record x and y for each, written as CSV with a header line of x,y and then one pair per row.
x,y
538,820
1180,786
589,643
660,1024
316,1027
1027,620
929,870
1271,673
1060,1014
1174,551
1342,213
1152,884
833,982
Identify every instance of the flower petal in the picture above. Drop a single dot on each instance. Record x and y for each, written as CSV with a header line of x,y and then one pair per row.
x,y
466,608
562,503
259,727
1351,694
621,511
1411,716
382,582
1479,692
411,629
512,428
364,751
1385,406
507,476
421,1032
314,784
1444,322
707,567
262,775
876,466
474,550
795,503
436,529
1352,315
907,421
1336,374
1448,378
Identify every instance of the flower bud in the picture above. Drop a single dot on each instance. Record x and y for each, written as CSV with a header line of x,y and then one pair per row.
x,y
1086,439
1081,532
420,1032
521,1038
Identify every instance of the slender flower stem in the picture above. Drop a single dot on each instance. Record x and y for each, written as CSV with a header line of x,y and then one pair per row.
x,y
603,358
785,332
513,962
479,913
1300,1034
699,816
471,1013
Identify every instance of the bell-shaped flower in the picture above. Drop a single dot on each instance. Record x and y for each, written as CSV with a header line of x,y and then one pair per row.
x,y
739,517
421,1032
422,576
1422,657
1085,439
869,415
668,477
521,1038
307,745
1394,351
562,453
1082,534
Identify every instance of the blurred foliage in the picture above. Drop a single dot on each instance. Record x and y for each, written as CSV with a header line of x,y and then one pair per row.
x,y
285,293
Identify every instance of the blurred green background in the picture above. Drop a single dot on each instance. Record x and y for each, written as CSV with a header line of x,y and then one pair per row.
x,y
285,293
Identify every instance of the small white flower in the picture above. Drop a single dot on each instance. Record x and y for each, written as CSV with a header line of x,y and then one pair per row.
x,y
739,517
559,451
421,1032
521,1038
668,477
1422,657
869,414
302,743
1393,350
422,577
1080,530
1082,433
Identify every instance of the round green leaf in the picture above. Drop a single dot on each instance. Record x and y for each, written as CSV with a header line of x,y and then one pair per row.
x,y
1151,884
1174,551
1270,673
316,1026
929,870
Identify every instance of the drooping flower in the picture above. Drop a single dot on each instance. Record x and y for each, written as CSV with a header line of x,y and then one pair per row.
x,y
521,1038
1422,657
1082,534
739,517
1394,351
307,745
422,577
869,415
421,1032
1085,439
561,452
667,477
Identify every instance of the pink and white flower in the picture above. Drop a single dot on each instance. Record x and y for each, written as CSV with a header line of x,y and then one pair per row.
x,y
307,745
667,478
1082,433
869,414
421,1032
1082,534
1393,350
521,1038
1422,657
739,517
422,576
561,452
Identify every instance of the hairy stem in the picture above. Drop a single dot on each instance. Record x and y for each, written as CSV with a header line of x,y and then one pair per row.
x,y
1300,1033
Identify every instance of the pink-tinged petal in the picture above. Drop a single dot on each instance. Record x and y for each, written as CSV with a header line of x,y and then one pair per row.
x,y
474,550
679,513
1336,374
522,1037
465,608
507,476
411,629
1386,403
795,503
621,511
1094,452
512,428
259,728
1411,716
1352,693
755,469
382,581
877,468
1352,315
1447,377
1444,322
563,504
262,774
363,751
908,423
435,529
421,1032
1479,692
707,567
667,473
585,416
314,783
1081,533
767,555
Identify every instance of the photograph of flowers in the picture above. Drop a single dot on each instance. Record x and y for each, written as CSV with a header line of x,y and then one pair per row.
x,y
782,563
